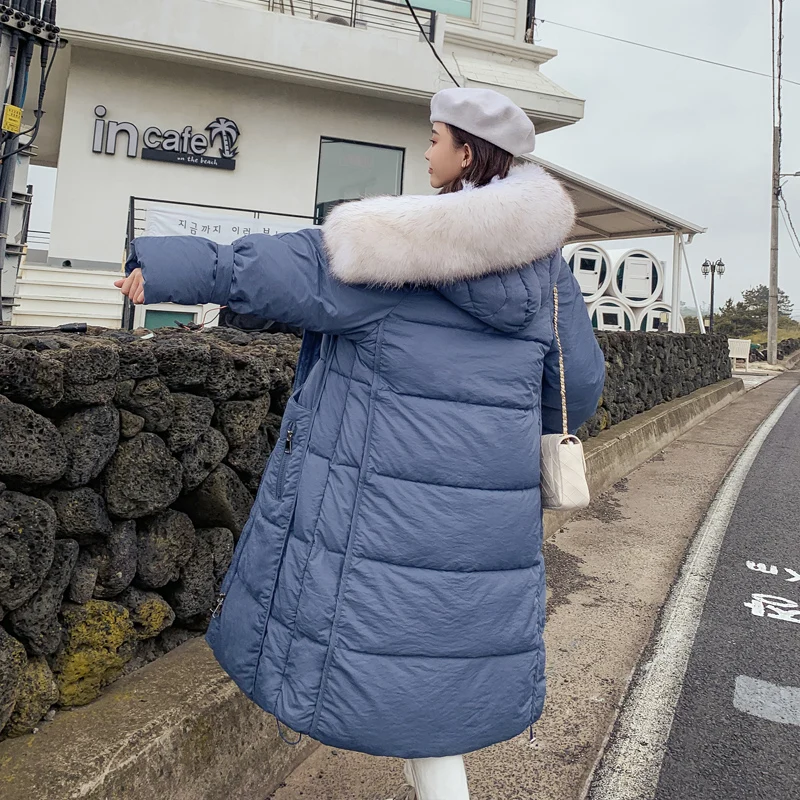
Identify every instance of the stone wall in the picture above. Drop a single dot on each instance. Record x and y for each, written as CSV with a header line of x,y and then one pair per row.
x,y
787,347
129,467
644,370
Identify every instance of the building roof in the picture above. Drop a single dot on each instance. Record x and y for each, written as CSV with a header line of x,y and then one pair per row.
x,y
605,213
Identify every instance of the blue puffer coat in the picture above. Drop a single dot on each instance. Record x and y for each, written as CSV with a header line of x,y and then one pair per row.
x,y
388,592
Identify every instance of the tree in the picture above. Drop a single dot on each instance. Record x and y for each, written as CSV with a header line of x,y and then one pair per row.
x,y
750,315
735,320
691,324
757,301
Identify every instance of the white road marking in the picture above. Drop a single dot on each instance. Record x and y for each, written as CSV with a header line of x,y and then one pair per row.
x,y
778,607
630,767
767,700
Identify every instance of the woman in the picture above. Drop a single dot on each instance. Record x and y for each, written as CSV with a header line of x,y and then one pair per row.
x,y
388,592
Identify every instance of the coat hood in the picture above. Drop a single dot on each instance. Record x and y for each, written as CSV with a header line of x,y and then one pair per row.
x,y
469,244
439,239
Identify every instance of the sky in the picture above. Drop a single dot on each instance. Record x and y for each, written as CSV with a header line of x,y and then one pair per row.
x,y
689,138
692,139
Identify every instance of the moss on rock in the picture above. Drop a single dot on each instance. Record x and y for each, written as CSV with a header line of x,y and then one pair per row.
x,y
99,641
36,693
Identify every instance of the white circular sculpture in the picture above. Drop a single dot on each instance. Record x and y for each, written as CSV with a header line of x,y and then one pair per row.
x,y
649,319
592,267
610,314
637,277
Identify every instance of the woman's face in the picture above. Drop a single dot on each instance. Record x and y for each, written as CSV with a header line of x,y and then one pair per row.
x,y
446,162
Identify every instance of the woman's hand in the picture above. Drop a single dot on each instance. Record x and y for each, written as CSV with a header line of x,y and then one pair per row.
x,y
132,286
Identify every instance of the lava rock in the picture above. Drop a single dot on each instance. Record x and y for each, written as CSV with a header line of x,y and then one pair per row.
x,y
222,500
81,515
35,623
32,449
191,419
90,372
174,637
182,361
149,399
202,458
254,375
36,693
27,546
222,380
165,544
193,594
221,543
12,668
26,377
150,612
83,582
137,360
250,459
239,420
130,424
115,560
145,652
99,641
90,438
142,478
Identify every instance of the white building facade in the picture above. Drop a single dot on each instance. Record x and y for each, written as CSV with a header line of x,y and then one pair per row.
x,y
283,106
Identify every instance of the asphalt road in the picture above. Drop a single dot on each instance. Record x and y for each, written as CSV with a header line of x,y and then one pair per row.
x,y
736,731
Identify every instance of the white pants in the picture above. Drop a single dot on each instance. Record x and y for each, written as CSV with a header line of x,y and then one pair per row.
x,y
437,778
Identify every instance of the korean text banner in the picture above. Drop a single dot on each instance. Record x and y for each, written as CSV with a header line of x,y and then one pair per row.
x,y
220,228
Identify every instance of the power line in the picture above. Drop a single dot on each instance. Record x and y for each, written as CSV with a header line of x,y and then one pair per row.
x,y
790,229
664,50
426,37
790,221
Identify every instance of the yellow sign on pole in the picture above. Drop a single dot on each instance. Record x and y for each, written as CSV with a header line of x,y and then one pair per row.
x,y
12,118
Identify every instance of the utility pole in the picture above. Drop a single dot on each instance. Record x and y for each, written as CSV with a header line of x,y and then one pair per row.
x,y
777,133
772,324
24,26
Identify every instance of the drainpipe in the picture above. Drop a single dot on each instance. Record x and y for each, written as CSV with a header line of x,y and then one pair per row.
x,y
530,22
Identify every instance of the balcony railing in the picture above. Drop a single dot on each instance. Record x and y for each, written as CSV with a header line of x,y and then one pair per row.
x,y
369,14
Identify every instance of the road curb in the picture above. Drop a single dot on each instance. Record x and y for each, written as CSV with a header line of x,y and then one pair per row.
x,y
180,729
616,452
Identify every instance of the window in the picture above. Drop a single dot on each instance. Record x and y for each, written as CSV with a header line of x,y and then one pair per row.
x,y
352,170
453,8
153,320
611,318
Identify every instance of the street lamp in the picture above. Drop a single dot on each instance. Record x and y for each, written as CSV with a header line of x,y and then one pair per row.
x,y
712,268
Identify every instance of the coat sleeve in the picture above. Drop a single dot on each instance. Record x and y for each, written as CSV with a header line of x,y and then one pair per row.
x,y
284,278
584,365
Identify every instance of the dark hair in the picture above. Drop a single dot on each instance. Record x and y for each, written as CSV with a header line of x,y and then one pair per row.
x,y
488,161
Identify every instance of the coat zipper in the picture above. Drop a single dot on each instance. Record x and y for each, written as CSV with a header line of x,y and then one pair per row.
x,y
287,450
218,607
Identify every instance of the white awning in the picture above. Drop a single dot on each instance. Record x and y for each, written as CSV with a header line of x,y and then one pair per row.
x,y
604,213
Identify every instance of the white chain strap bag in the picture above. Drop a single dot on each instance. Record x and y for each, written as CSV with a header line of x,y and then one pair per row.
x,y
563,470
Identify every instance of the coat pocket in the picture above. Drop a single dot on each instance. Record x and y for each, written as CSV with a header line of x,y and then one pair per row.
x,y
290,447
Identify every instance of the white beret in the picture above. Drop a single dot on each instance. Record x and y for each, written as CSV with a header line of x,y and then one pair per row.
x,y
488,115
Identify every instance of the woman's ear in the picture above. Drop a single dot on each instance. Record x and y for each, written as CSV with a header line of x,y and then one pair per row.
x,y
467,161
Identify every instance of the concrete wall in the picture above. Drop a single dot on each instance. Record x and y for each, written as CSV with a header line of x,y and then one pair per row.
x,y
276,170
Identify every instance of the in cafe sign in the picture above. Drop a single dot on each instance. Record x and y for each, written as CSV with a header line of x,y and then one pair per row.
x,y
215,148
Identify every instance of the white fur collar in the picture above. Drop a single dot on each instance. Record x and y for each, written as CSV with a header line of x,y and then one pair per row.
x,y
441,239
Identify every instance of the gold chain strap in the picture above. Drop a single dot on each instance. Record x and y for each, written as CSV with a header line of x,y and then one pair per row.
x,y
564,419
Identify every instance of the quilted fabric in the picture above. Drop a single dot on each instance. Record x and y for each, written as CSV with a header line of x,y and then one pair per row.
x,y
388,592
